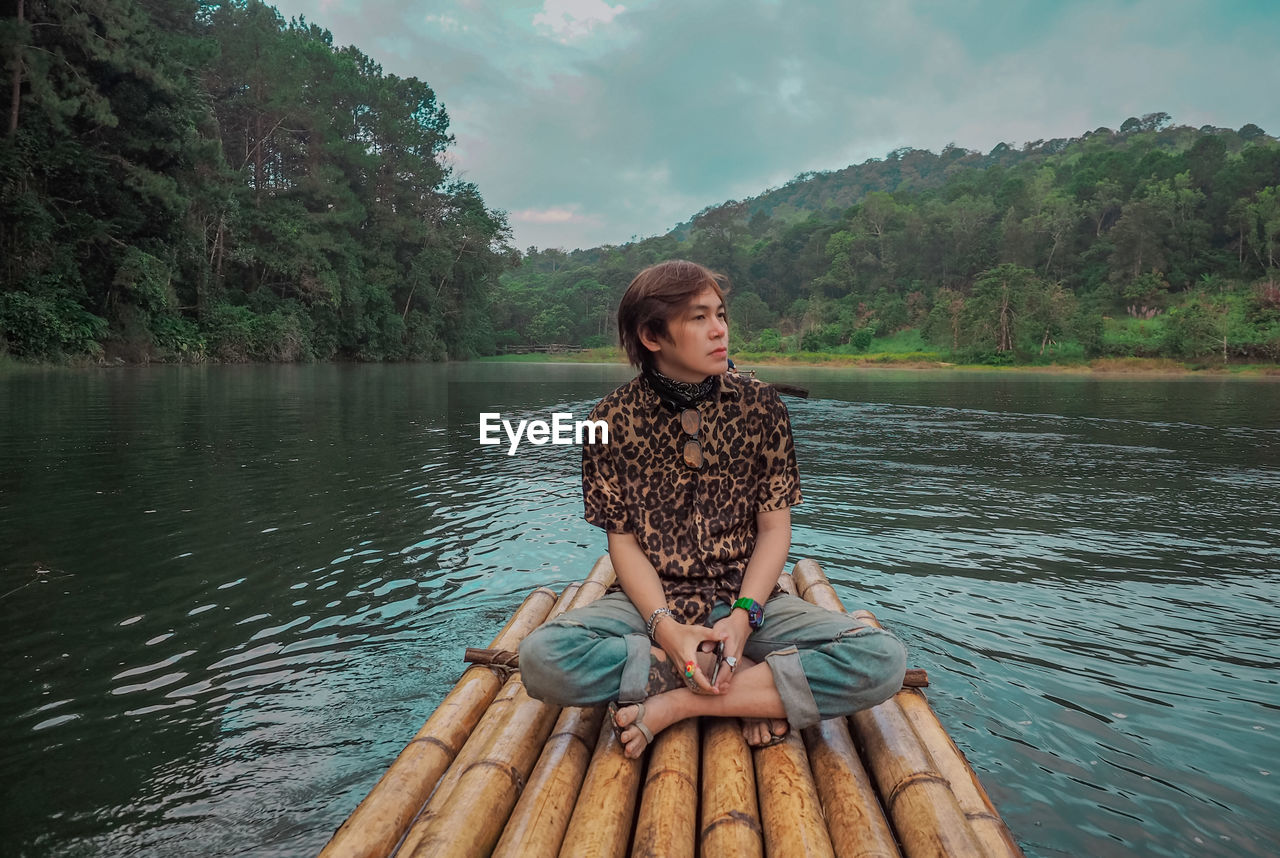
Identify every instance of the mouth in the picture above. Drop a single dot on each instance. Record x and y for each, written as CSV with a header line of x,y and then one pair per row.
x,y
719,353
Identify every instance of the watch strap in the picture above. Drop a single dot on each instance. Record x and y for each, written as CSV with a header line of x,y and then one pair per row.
x,y
755,611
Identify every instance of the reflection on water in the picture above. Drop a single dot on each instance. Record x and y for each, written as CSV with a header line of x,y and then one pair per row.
x,y
230,595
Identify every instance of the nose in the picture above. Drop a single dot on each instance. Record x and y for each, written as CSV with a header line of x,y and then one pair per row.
x,y
720,329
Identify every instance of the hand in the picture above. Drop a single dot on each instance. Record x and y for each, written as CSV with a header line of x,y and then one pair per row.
x,y
681,643
734,631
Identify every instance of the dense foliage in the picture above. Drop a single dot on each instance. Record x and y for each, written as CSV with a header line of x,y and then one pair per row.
x,y
1154,240
187,180
192,180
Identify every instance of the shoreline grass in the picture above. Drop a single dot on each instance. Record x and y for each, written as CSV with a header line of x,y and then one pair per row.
x,y
919,360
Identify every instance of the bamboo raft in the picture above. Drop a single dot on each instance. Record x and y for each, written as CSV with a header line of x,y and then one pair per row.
x,y
494,772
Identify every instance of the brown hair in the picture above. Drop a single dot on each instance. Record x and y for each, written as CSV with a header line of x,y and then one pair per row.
x,y
654,296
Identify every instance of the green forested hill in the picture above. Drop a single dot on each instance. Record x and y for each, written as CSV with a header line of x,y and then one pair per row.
x,y
202,180
187,180
1153,240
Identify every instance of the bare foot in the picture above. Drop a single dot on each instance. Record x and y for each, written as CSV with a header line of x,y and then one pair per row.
x,y
763,732
636,719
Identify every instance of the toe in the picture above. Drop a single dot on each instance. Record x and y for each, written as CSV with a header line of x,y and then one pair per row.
x,y
624,717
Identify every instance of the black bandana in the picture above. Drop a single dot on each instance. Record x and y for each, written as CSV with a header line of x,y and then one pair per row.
x,y
678,395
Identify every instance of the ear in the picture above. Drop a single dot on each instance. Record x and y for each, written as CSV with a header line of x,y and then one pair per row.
x,y
648,340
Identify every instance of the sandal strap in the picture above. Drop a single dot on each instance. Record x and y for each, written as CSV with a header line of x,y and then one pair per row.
x,y
638,723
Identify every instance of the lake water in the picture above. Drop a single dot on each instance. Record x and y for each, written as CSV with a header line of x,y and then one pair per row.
x,y
231,594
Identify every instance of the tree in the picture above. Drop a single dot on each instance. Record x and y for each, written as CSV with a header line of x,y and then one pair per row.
x,y
1263,238
1155,121
943,325
749,314
1139,240
715,235
994,314
1193,329
1048,308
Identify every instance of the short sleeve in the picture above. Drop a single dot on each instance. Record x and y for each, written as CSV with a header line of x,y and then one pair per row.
x,y
780,477
602,497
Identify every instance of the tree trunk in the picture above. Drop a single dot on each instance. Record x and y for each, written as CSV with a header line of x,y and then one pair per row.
x,y
17,77
1057,238
408,302
1004,339
956,307
258,178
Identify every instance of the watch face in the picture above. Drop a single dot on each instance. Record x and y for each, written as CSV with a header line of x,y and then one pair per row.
x,y
755,611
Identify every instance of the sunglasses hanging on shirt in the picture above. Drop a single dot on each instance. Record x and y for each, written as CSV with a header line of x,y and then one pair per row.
x,y
691,423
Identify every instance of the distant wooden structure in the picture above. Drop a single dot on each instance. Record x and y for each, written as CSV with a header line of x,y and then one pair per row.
x,y
494,772
552,349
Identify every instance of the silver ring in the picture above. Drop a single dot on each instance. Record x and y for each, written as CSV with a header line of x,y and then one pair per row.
x,y
732,662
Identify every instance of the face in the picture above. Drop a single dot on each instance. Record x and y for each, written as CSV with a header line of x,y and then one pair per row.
x,y
697,342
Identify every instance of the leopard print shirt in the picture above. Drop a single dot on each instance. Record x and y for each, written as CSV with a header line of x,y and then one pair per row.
x,y
698,528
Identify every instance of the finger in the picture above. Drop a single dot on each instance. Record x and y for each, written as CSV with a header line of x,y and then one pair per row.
x,y
699,681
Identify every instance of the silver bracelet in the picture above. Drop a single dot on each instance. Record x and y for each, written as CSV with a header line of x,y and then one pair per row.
x,y
658,614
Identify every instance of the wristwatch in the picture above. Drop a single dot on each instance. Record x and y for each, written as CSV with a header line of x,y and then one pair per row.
x,y
755,611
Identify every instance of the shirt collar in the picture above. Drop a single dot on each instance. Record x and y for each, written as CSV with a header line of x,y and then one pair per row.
x,y
728,388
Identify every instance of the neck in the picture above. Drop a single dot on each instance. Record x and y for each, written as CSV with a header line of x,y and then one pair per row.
x,y
679,394
676,375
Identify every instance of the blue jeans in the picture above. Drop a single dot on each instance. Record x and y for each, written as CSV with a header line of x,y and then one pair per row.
x,y
825,664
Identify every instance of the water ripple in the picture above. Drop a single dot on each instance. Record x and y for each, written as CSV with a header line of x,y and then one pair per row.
x,y
232,594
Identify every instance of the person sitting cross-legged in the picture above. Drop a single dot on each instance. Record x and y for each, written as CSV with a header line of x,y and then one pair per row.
x,y
694,489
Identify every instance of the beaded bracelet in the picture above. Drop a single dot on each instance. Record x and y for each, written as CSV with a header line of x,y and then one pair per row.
x,y
658,614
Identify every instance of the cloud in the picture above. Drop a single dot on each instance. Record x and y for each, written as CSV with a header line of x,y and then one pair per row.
x,y
543,216
633,118
570,20
445,22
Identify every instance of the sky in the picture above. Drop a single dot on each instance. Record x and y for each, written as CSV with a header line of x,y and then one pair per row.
x,y
596,122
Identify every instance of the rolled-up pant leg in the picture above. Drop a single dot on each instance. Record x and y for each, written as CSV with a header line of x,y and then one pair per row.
x,y
591,654
825,663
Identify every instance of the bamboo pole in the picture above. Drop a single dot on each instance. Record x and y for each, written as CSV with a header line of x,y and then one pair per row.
x,y
601,821
668,820
926,815
855,823
855,820
790,810
378,822
540,817
730,823
992,833
537,823
994,836
470,819
490,771
490,724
